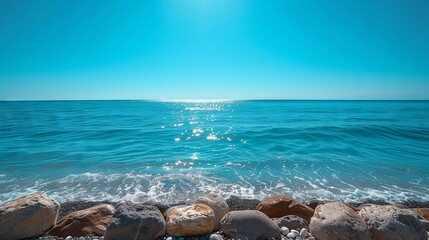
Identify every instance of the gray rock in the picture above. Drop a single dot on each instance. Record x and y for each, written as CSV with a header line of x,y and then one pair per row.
x,y
249,224
135,221
337,221
392,223
27,216
218,204
291,222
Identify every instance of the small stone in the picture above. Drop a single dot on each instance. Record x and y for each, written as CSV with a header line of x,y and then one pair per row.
x,y
100,230
169,238
81,238
69,238
294,231
291,235
298,238
303,233
284,231
311,238
215,236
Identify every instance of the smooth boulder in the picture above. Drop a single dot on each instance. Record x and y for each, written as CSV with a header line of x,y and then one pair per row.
x,y
291,222
282,205
194,220
392,223
218,204
135,221
249,224
27,216
84,222
337,221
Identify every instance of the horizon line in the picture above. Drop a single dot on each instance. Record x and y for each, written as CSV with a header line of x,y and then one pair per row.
x,y
204,100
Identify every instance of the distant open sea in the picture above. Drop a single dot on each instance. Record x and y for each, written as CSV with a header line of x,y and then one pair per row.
x,y
176,151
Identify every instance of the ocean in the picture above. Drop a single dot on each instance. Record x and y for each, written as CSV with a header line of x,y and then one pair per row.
x,y
175,151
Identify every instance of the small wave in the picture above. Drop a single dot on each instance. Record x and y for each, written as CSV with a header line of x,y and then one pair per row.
x,y
178,187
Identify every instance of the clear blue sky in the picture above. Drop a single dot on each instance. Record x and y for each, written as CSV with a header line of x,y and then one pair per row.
x,y
199,49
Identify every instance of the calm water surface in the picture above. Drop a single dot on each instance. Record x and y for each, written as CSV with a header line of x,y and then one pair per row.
x,y
172,151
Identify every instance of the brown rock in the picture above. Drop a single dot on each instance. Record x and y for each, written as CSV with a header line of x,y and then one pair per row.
x,y
218,204
27,216
193,220
135,221
291,222
422,212
337,221
249,225
84,222
392,223
281,205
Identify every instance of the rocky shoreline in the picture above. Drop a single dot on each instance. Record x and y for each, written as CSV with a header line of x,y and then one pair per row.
x,y
211,217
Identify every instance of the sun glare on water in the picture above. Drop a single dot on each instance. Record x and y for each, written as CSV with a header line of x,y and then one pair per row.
x,y
197,100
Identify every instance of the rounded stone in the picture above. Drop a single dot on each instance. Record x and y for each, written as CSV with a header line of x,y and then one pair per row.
x,y
249,224
337,221
100,230
218,204
303,233
284,230
27,216
291,235
135,221
392,223
215,236
194,220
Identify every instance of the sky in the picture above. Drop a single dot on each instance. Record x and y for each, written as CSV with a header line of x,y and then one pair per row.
x,y
214,49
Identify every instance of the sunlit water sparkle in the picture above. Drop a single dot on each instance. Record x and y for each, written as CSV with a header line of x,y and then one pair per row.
x,y
174,151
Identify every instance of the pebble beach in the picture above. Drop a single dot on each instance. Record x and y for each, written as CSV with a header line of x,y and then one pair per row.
x,y
211,217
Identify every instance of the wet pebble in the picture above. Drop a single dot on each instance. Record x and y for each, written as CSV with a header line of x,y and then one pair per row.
x,y
215,236
284,230
291,235
303,233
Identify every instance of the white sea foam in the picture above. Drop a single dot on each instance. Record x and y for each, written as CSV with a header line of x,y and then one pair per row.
x,y
176,187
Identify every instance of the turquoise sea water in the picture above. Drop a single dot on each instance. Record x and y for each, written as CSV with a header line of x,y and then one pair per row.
x,y
173,151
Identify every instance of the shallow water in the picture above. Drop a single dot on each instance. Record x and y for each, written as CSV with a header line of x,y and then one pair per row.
x,y
174,151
